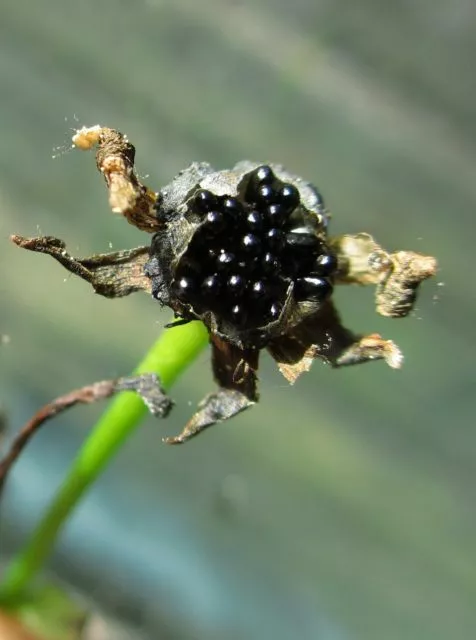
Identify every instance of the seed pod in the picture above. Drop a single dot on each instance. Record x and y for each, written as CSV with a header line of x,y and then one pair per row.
x,y
240,231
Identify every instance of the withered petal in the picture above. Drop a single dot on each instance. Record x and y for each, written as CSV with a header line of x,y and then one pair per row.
x,y
323,336
318,336
234,370
397,275
112,275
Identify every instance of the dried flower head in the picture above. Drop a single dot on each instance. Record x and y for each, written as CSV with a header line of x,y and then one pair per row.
x,y
247,252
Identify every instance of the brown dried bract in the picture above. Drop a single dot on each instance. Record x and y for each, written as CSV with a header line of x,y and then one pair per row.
x,y
146,385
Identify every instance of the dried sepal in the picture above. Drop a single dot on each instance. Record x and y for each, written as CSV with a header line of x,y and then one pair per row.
x,y
234,370
115,160
146,385
323,336
397,275
396,294
112,275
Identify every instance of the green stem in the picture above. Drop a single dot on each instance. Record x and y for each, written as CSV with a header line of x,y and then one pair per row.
x,y
168,357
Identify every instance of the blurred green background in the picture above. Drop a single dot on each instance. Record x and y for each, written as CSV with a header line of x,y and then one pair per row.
x,y
342,508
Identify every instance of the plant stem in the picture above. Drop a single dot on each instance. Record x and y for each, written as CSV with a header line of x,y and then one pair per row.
x,y
169,356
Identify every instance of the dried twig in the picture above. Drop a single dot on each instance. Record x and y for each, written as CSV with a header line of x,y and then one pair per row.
x,y
146,385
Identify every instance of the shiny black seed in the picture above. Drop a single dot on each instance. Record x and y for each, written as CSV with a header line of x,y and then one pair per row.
x,y
296,239
298,263
213,253
235,285
212,285
270,264
254,221
263,175
238,314
188,268
258,290
231,206
265,194
204,200
184,288
225,260
289,196
214,222
312,288
276,214
251,244
276,239
325,264
249,264
273,311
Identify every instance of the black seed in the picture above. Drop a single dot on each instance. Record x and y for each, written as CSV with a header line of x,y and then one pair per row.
x,y
265,194
251,244
211,286
276,214
213,253
325,264
238,314
275,239
214,222
184,288
188,268
298,240
298,263
254,221
288,196
270,264
231,206
258,290
225,260
311,288
273,311
249,264
204,200
263,175
235,285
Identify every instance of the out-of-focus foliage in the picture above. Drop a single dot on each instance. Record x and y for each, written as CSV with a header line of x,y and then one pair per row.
x,y
342,508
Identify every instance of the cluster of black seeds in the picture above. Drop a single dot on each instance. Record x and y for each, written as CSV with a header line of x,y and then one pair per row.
x,y
247,250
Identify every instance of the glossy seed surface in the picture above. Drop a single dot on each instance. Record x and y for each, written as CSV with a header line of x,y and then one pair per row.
x,y
248,248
